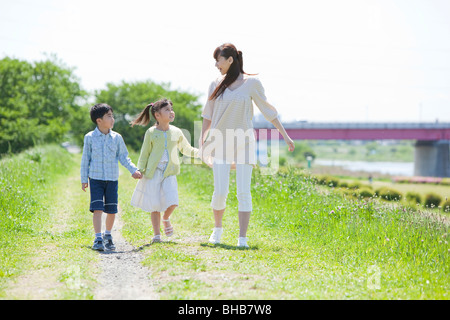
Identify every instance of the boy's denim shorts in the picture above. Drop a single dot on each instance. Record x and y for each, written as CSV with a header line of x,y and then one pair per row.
x,y
104,195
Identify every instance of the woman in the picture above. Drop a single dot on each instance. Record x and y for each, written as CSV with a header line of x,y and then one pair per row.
x,y
227,117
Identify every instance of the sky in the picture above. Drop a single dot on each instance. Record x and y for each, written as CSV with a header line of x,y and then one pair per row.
x,y
319,61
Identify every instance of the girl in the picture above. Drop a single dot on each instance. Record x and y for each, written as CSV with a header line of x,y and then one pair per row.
x,y
228,114
159,163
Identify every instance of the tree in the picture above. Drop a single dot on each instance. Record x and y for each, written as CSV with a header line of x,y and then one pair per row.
x,y
302,151
37,102
371,148
128,99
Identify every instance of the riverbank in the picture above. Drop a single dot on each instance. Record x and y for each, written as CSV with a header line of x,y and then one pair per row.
x,y
342,172
306,241
382,167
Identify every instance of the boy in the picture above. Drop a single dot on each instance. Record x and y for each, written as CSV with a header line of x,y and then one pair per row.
x,y
102,150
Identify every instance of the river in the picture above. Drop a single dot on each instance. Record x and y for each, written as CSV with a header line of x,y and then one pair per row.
x,y
391,168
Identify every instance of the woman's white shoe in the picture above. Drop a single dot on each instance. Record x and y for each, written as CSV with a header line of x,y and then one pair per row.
x,y
242,242
215,236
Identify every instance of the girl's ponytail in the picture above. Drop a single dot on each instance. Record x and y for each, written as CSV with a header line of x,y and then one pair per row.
x,y
143,118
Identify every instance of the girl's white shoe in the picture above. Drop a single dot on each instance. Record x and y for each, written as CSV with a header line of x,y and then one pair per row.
x,y
242,242
215,236
156,239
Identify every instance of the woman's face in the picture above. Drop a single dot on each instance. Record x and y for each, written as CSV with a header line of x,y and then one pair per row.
x,y
224,64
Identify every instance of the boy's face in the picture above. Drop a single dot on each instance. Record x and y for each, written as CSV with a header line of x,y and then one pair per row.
x,y
107,121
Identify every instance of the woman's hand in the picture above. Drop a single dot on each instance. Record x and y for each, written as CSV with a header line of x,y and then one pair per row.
x,y
286,138
290,143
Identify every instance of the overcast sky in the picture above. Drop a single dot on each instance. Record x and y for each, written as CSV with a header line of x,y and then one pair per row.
x,y
321,60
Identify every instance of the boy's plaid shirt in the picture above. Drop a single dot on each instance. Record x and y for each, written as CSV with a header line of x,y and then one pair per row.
x,y
101,154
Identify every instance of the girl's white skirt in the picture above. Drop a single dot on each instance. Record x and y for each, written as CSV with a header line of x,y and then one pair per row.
x,y
156,194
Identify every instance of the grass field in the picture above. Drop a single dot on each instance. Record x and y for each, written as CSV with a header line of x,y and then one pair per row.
x,y
306,242
45,228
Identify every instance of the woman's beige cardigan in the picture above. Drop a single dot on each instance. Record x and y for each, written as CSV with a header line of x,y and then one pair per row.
x,y
231,136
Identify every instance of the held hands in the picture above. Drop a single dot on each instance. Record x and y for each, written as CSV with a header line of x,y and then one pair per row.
x,y
137,175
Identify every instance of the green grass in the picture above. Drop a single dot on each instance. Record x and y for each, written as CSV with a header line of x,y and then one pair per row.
x,y
305,243
45,227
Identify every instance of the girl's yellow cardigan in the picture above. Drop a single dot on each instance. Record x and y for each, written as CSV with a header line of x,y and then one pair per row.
x,y
155,141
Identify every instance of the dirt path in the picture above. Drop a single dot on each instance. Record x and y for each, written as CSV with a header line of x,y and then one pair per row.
x,y
123,277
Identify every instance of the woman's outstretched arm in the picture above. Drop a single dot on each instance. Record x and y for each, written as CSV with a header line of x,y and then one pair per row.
x,y
276,122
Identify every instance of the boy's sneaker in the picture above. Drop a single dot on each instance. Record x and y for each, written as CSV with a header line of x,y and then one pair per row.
x,y
215,236
109,244
98,244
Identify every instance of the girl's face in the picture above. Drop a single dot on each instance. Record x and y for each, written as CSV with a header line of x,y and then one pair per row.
x,y
224,64
165,114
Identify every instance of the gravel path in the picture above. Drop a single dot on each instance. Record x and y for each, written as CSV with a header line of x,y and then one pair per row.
x,y
123,276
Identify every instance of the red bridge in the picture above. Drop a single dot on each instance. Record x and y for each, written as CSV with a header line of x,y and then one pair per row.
x,y
362,131
432,139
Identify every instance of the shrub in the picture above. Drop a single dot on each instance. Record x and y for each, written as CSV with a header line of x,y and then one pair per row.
x,y
332,181
328,180
324,179
354,185
432,200
365,192
389,194
348,192
320,179
446,206
343,184
413,197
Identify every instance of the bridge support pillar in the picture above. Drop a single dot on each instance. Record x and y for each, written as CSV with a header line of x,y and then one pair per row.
x,y
432,158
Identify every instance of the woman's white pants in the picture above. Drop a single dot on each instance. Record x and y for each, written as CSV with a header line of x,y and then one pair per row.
x,y
221,173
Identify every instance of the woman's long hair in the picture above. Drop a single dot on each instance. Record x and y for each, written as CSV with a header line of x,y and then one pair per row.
x,y
143,118
228,50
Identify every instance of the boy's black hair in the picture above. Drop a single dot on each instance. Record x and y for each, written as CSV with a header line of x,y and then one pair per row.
x,y
99,110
